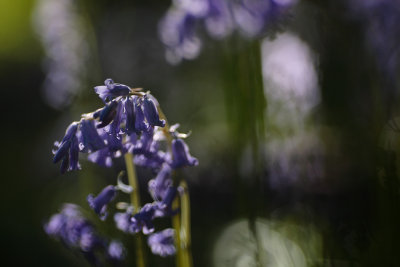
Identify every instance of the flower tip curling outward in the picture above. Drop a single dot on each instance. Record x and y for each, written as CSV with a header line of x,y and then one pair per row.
x,y
110,90
99,203
181,155
162,243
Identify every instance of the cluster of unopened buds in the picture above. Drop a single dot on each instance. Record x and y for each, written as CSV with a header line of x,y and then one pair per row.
x,y
130,123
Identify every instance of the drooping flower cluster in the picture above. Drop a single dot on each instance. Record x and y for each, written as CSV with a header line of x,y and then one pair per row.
x,y
178,28
76,232
129,122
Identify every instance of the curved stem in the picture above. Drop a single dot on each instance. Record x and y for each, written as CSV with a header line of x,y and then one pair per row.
x,y
135,200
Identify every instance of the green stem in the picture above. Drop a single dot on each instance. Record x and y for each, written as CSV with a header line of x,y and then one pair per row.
x,y
176,224
135,200
181,221
185,226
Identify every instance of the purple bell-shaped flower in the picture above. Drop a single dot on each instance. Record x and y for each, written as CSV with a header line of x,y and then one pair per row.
x,y
180,155
99,203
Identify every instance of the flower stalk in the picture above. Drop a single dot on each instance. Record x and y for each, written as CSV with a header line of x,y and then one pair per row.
x,y
185,226
129,124
181,221
135,200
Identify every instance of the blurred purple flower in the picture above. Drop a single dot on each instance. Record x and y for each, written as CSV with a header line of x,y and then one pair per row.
x,y
381,19
70,227
123,221
177,29
158,186
61,30
162,243
116,251
177,32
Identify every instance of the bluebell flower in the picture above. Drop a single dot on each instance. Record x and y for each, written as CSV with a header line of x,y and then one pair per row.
x,y
65,144
143,220
164,208
116,251
114,142
140,123
68,150
177,32
91,140
113,149
74,155
115,126
99,203
158,186
107,114
123,222
130,115
177,29
151,112
162,243
71,228
64,164
219,21
180,155
146,151
152,161
145,145
101,157
253,17
88,239
111,90
76,232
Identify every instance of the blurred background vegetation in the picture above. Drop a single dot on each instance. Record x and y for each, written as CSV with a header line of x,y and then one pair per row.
x,y
296,133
